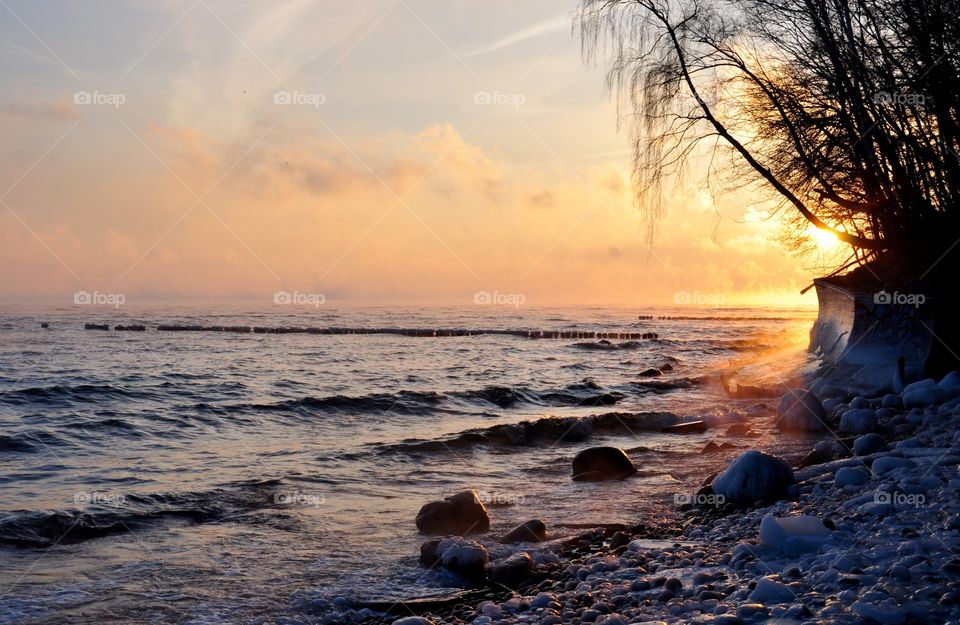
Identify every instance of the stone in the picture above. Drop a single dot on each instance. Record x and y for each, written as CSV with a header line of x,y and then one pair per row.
x,y
460,514
801,410
858,421
753,476
466,558
886,464
602,463
868,444
532,531
513,570
851,476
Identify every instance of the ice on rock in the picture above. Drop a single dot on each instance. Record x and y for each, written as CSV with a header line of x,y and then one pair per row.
x,y
793,534
868,444
464,557
950,384
922,393
769,591
886,613
800,409
884,465
858,421
753,476
413,620
851,476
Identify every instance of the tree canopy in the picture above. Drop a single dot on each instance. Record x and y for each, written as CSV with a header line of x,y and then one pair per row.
x,y
843,111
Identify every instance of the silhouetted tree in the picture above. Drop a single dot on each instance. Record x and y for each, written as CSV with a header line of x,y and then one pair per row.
x,y
845,111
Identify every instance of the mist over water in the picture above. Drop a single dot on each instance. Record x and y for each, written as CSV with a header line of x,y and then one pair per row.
x,y
207,477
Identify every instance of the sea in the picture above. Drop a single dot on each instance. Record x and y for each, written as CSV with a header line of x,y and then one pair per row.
x,y
211,476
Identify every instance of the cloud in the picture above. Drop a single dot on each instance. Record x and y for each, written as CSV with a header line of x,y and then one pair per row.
x,y
553,25
41,110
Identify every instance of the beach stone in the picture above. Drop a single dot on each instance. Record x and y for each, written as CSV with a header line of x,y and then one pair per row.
x,y
602,463
513,570
753,476
851,476
651,373
750,611
887,613
532,531
466,558
770,591
460,514
868,444
891,400
801,410
886,464
858,421
859,402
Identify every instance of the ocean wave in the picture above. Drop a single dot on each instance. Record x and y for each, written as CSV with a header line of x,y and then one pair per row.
x,y
584,393
67,392
547,430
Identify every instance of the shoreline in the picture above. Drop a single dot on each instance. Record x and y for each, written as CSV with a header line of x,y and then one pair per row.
x,y
881,544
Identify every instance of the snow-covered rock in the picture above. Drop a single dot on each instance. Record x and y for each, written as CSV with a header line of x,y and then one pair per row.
x,y
858,421
886,464
466,558
769,591
793,534
868,444
753,476
859,402
886,613
851,476
922,393
950,384
891,400
801,410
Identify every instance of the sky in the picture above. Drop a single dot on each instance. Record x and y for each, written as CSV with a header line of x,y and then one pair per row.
x,y
398,151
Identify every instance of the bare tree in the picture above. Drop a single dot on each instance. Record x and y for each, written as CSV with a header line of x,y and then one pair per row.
x,y
845,111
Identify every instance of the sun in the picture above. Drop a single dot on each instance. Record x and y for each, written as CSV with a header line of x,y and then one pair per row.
x,y
826,241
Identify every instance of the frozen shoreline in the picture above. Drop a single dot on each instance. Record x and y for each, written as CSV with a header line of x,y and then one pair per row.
x,y
887,551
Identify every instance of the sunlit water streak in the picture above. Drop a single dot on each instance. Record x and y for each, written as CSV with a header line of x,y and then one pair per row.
x,y
217,477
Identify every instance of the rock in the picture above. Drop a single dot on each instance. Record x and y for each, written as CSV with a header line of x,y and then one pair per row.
x,y
886,464
868,444
428,553
822,452
460,514
859,402
753,476
466,558
792,534
922,393
533,531
751,611
602,463
851,476
801,410
891,400
651,373
513,570
413,620
712,447
887,613
858,421
771,591
738,429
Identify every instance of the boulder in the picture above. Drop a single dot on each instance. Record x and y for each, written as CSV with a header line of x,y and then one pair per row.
x,y
851,476
868,444
651,373
753,476
921,394
513,570
466,558
688,427
801,410
792,534
858,421
602,463
460,514
533,531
